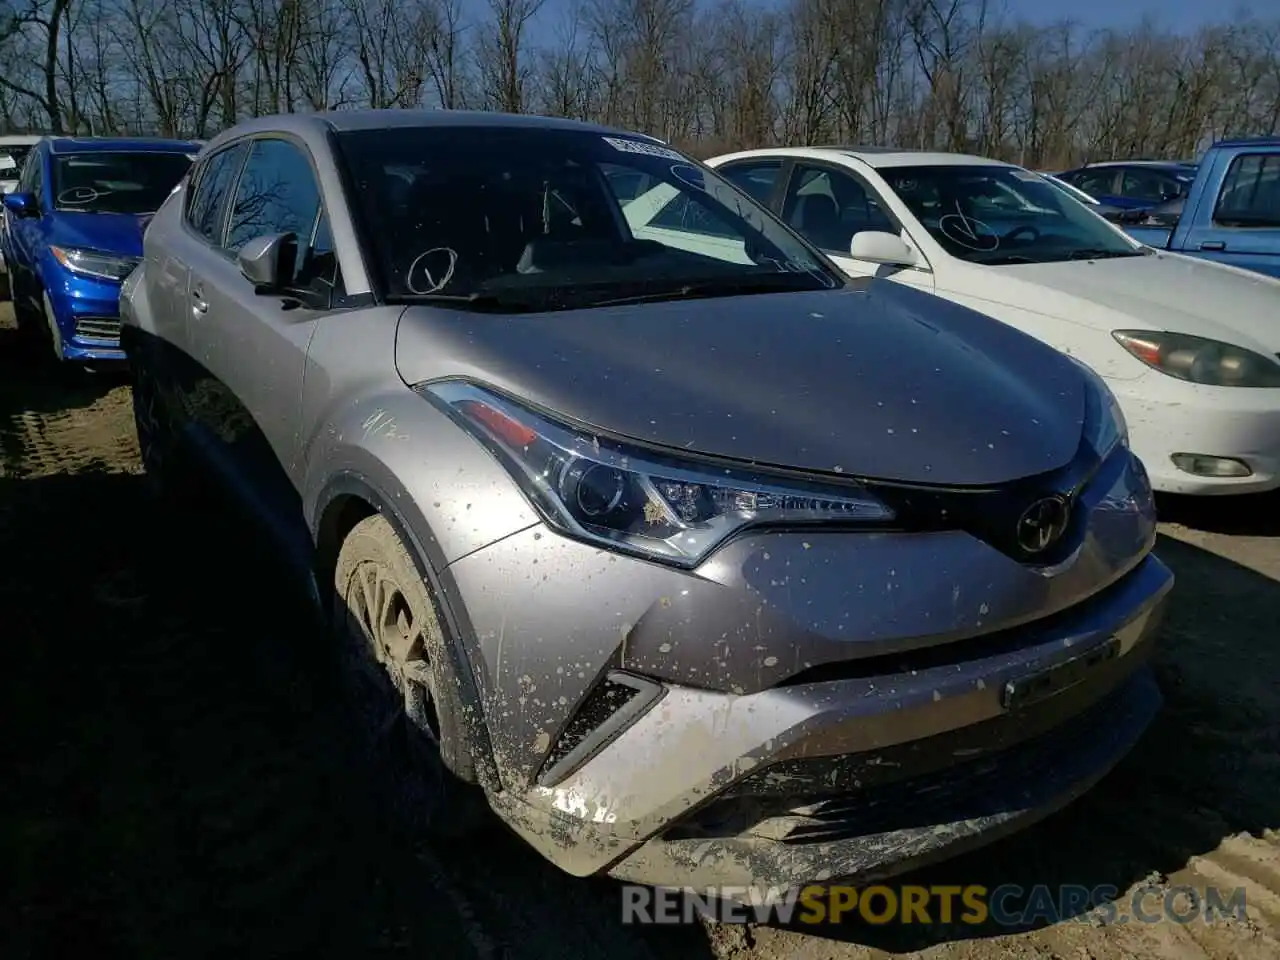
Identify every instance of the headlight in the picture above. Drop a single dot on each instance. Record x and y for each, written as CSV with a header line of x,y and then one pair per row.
x,y
91,263
635,501
1199,360
1104,424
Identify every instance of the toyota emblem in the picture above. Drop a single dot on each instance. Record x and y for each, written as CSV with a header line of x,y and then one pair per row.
x,y
1043,523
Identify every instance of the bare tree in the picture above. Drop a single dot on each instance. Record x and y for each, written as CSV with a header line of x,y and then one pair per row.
x,y
503,59
709,75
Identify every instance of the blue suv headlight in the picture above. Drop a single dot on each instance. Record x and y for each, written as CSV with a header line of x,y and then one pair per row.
x,y
93,263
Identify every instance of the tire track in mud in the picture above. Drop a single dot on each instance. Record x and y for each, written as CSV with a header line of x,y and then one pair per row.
x,y
186,788
182,788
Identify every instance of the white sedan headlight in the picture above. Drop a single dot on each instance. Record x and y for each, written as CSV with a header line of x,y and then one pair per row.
x,y
1200,360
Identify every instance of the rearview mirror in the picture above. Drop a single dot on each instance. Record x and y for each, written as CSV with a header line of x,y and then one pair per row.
x,y
879,246
21,204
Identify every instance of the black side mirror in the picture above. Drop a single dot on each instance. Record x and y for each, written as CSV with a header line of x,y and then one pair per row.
x,y
262,258
268,263
22,204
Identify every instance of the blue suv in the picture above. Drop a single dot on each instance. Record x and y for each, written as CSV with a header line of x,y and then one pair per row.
x,y
1133,184
73,232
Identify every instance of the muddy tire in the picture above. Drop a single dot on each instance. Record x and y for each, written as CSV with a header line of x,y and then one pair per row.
x,y
401,691
30,323
167,466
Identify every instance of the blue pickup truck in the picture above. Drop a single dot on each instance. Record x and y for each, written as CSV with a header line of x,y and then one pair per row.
x,y
1230,214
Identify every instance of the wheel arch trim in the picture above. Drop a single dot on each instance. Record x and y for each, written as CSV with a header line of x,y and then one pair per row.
x,y
334,496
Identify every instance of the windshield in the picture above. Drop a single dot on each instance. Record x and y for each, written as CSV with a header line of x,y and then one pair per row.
x,y
997,215
116,182
551,219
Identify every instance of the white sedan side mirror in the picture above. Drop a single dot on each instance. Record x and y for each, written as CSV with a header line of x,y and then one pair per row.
x,y
878,246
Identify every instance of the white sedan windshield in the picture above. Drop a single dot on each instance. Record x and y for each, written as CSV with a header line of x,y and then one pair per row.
x,y
1003,215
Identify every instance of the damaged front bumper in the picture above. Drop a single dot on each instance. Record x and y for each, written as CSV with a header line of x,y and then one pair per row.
x,y
867,775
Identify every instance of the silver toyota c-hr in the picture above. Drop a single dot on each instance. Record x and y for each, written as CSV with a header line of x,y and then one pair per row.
x,y
637,523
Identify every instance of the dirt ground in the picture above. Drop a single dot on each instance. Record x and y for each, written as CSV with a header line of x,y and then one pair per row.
x,y
174,782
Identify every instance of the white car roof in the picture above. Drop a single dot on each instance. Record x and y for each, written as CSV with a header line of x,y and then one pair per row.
x,y
1139,163
19,139
878,157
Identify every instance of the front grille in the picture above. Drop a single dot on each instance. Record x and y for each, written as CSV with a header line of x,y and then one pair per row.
x,y
106,329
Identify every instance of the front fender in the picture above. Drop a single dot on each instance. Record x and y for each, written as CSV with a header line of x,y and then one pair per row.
x,y
443,493
451,491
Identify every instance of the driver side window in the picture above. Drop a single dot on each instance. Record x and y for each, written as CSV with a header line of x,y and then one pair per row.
x,y
29,181
828,208
277,193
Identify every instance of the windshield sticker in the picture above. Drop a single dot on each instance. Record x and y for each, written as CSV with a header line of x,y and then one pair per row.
x,y
646,149
969,233
1027,176
689,175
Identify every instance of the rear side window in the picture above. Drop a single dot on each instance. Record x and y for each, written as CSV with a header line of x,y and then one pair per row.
x,y
277,193
1148,185
212,186
1250,194
1093,182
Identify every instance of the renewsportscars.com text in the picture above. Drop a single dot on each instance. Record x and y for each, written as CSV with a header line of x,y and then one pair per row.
x,y
1007,905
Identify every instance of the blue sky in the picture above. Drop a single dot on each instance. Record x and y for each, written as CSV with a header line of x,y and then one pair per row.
x,y
1180,15
1174,14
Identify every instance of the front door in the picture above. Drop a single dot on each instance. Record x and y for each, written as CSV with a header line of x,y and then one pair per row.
x,y
25,233
252,348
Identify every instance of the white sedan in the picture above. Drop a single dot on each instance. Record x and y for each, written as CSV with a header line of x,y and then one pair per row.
x,y
1189,347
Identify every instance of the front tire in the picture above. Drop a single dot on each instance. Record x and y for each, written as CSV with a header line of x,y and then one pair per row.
x,y
403,695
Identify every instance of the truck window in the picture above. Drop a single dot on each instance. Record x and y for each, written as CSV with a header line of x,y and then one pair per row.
x,y
1250,194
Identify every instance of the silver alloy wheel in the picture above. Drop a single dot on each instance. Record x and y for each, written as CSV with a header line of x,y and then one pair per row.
x,y
391,679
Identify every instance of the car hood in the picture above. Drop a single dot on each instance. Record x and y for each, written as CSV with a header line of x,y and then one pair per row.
x,y
882,381
108,232
1165,291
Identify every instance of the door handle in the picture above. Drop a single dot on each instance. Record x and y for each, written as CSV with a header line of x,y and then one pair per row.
x,y
201,306
1213,245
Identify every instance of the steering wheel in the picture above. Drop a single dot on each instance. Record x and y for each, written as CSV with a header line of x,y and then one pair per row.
x,y
1021,229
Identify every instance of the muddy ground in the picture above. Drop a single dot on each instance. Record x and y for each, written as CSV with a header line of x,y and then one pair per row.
x,y
174,783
